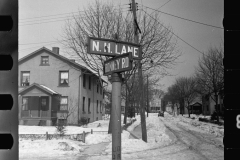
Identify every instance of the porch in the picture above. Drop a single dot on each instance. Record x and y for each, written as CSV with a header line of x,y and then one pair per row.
x,y
38,106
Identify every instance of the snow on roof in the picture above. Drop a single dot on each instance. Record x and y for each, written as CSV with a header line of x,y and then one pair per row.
x,y
48,89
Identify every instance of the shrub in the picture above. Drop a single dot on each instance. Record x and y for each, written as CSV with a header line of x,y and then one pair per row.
x,y
83,121
214,116
61,129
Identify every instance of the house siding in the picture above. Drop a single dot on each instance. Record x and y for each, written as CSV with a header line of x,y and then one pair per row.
x,y
49,76
94,96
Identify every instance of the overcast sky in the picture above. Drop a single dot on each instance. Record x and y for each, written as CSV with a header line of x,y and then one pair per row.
x,y
41,23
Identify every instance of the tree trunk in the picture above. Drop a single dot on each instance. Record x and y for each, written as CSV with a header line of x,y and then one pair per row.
x,y
188,110
216,108
182,106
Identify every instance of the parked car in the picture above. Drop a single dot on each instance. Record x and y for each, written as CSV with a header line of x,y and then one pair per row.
x,y
160,113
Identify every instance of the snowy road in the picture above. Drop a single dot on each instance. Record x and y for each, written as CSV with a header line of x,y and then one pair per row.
x,y
169,138
187,145
202,145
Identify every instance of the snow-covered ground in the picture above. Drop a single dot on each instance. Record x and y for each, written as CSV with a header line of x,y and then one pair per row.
x,y
196,125
156,133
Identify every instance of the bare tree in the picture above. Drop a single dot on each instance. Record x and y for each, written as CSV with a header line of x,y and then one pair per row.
x,y
187,87
210,73
103,20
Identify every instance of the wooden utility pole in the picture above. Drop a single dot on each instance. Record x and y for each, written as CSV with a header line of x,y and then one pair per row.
x,y
147,98
126,111
142,108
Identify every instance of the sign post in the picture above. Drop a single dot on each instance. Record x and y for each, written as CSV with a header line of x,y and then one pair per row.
x,y
116,116
123,54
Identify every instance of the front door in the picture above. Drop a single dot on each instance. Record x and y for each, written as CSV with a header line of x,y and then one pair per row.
x,y
34,106
44,105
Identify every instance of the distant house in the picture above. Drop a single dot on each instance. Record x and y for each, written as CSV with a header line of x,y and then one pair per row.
x,y
196,108
209,105
155,104
53,88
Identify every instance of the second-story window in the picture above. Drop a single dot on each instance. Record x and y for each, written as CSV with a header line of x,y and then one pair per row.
x,y
64,78
89,82
45,60
97,88
25,78
84,80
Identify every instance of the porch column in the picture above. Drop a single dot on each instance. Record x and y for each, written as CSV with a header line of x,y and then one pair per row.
x,y
50,106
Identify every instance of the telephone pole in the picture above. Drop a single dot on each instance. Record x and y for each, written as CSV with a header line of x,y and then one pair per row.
x,y
142,108
147,98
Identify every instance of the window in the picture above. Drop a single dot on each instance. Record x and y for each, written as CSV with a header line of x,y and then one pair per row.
x,y
207,107
44,103
89,111
64,103
64,79
25,78
97,88
97,106
44,60
100,90
89,82
83,107
100,106
24,103
84,80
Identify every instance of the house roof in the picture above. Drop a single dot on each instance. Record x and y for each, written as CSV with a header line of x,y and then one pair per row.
x,y
44,49
196,104
41,87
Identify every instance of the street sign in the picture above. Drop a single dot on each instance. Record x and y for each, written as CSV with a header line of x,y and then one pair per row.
x,y
119,63
108,47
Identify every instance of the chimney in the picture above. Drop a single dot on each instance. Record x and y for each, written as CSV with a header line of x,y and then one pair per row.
x,y
73,60
55,50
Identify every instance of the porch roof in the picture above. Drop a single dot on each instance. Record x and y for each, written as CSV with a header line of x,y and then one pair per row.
x,y
40,87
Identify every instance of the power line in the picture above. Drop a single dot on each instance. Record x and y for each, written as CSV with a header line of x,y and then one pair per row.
x,y
185,18
51,15
62,13
56,20
174,33
58,17
47,19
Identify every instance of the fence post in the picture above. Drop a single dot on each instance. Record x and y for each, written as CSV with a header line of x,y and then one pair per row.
x,y
46,135
91,131
83,136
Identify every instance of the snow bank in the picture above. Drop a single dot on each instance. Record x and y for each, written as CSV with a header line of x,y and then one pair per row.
x,y
156,132
69,129
50,148
98,138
